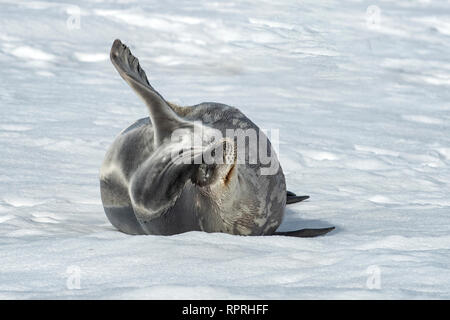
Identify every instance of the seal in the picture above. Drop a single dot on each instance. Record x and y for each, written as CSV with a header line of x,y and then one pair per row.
x,y
181,170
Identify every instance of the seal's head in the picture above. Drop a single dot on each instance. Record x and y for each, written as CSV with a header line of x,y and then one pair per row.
x,y
211,156
196,153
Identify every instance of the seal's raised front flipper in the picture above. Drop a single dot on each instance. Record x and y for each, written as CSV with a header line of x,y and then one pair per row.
x,y
164,119
305,233
293,198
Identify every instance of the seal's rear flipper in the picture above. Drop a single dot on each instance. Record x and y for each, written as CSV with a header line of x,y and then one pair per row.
x,y
305,233
292,198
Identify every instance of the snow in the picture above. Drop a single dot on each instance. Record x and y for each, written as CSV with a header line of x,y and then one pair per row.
x,y
360,95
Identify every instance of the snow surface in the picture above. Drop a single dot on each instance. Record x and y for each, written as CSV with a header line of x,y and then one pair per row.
x,y
360,91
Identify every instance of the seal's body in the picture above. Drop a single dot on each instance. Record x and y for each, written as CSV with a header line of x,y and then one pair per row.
x,y
148,187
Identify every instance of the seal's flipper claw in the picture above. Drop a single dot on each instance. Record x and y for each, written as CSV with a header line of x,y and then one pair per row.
x,y
294,198
305,233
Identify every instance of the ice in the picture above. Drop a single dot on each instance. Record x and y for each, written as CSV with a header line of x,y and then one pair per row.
x,y
91,57
28,53
423,119
360,95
